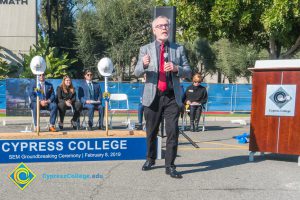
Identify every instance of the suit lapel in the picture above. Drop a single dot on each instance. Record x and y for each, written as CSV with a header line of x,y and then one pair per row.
x,y
87,89
93,89
46,90
153,55
172,52
172,56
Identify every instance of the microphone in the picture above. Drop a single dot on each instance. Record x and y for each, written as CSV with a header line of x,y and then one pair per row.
x,y
166,58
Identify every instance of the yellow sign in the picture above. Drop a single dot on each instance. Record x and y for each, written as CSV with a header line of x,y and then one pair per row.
x,y
22,176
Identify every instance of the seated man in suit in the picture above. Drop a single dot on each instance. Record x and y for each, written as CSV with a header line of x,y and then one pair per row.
x,y
90,95
47,101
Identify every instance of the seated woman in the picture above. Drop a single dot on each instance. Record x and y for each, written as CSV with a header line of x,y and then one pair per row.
x,y
66,98
195,96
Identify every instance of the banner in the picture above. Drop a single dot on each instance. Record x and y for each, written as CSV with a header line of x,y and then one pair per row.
x,y
66,150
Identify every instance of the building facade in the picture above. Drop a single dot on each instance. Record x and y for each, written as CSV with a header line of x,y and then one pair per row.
x,y
18,28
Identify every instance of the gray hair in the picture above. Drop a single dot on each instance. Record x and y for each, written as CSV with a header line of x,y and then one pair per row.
x,y
159,17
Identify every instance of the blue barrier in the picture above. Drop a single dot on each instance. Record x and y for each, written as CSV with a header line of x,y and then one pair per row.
x,y
221,97
229,97
2,95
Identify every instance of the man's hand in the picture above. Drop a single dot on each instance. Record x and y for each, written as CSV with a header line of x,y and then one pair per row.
x,y
88,101
170,67
146,60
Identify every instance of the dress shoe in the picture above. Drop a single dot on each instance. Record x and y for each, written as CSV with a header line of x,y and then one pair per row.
x,y
173,173
89,128
139,127
52,129
148,165
74,124
197,126
61,126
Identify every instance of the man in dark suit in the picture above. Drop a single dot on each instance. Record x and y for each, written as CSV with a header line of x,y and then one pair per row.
x,y
164,64
47,101
90,95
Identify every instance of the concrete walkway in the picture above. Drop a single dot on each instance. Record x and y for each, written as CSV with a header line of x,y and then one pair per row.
x,y
219,169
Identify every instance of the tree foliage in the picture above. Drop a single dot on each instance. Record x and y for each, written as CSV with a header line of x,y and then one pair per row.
x,y
249,25
57,21
7,70
269,24
57,63
92,29
192,20
90,43
115,29
201,57
233,60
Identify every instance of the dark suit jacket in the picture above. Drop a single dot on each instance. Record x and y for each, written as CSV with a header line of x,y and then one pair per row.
x,y
49,93
62,96
83,92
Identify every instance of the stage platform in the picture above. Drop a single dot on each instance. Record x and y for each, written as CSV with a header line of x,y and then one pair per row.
x,y
73,134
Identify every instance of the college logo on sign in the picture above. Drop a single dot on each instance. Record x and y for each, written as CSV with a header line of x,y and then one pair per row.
x,y
22,176
280,97
280,100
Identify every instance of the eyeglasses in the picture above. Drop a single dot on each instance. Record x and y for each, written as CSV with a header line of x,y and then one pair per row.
x,y
162,26
89,74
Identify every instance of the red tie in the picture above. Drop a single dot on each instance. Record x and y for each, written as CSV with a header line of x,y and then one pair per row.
x,y
162,83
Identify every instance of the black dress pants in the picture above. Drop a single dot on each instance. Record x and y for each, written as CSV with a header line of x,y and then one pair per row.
x,y
62,107
162,105
195,113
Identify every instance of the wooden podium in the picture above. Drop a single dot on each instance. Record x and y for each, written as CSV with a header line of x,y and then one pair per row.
x,y
275,113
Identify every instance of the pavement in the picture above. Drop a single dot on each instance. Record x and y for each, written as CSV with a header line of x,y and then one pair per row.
x,y
219,169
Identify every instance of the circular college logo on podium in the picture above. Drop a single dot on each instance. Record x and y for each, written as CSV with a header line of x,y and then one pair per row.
x,y
280,100
280,97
